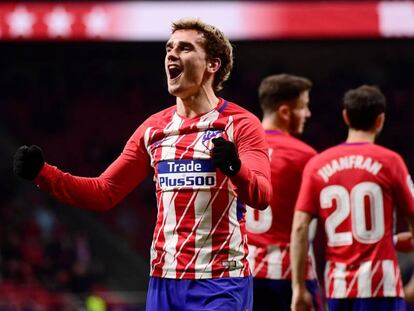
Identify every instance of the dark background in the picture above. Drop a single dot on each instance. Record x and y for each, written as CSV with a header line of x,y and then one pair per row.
x,y
81,101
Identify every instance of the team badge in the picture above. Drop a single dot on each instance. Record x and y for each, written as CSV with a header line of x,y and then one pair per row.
x,y
209,135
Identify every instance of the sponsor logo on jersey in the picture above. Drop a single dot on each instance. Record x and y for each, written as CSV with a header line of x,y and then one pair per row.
x,y
410,184
186,173
209,135
231,265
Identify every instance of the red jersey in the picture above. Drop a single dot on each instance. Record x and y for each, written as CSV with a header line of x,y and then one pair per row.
x,y
352,189
269,230
200,230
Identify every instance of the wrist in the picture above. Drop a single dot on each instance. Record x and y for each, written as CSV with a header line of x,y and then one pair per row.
x,y
299,287
234,168
403,242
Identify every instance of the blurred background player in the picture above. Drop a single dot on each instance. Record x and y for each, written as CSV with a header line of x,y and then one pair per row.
x,y
409,292
353,188
284,100
209,157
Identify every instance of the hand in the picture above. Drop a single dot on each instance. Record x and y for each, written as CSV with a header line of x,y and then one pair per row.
x,y
225,157
409,290
403,242
28,161
302,301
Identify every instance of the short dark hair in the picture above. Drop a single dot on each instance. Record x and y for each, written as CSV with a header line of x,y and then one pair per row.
x,y
276,89
363,105
216,45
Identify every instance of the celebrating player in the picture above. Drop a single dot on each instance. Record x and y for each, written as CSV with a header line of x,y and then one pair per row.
x,y
284,100
209,158
353,188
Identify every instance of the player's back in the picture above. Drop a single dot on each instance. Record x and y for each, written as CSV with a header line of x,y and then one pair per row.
x,y
288,158
269,230
355,188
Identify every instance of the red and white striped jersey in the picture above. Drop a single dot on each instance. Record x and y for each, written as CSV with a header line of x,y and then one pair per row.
x,y
268,231
200,230
273,262
352,189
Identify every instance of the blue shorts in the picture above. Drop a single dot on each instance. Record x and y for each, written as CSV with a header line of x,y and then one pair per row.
x,y
362,304
223,294
269,295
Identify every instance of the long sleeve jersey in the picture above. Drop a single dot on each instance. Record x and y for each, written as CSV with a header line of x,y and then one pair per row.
x,y
200,229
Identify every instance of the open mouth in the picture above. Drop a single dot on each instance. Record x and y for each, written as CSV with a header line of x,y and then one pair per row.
x,y
174,71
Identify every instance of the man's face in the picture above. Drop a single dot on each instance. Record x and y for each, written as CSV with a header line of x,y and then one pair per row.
x,y
299,113
185,63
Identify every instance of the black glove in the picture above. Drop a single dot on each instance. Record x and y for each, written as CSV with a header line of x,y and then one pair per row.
x,y
28,161
225,156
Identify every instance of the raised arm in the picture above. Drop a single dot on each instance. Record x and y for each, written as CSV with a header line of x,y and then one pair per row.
x,y
98,193
253,180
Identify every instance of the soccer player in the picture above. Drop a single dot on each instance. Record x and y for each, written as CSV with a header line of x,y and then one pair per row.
x,y
209,158
352,188
284,100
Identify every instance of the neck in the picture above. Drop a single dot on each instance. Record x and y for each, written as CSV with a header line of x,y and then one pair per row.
x,y
272,122
204,101
355,136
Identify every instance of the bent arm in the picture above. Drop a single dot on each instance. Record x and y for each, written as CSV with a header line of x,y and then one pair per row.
x,y
253,181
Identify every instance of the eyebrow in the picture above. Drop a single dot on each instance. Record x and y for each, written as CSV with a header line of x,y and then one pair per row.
x,y
180,43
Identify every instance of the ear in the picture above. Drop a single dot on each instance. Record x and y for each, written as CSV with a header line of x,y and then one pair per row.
x,y
379,122
213,65
284,112
345,117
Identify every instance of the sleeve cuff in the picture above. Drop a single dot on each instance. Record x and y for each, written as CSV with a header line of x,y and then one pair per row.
x,y
242,175
44,174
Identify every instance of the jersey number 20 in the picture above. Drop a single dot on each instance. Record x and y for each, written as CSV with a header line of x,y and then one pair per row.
x,y
354,203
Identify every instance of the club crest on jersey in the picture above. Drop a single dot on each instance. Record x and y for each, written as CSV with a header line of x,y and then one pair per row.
x,y
209,135
196,174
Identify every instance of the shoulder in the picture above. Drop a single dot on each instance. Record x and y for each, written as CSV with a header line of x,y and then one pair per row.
x,y
373,151
238,113
325,156
157,121
244,124
301,146
386,152
385,156
289,147
164,115
390,158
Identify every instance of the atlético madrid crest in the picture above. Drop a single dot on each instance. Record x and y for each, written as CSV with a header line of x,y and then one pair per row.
x,y
209,135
